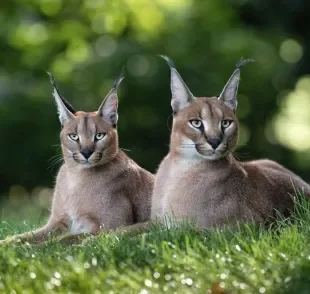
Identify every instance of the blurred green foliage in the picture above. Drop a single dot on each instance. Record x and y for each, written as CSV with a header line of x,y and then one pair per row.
x,y
85,43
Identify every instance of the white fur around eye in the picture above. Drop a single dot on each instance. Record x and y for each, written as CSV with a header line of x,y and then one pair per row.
x,y
73,137
225,123
99,136
196,123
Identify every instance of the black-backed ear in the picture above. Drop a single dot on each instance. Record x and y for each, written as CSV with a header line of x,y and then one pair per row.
x,y
108,108
181,95
229,93
65,110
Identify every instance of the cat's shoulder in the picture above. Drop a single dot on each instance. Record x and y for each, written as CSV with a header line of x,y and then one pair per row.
x,y
129,165
268,168
265,164
62,171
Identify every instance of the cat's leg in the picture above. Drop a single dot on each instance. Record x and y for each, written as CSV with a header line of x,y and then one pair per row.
x,y
77,238
83,228
74,239
138,227
53,227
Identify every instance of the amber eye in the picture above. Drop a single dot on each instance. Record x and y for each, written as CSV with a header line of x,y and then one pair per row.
x,y
225,123
99,136
74,137
196,123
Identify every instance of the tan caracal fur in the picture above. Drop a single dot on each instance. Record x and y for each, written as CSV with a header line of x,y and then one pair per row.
x,y
201,180
98,187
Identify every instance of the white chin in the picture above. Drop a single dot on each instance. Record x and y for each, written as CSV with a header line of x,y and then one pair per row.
x,y
211,157
87,164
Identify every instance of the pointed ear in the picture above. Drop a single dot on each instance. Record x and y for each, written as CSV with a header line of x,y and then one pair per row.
x,y
229,93
181,95
65,110
108,108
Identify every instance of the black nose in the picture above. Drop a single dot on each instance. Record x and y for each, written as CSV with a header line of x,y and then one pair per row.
x,y
86,153
214,142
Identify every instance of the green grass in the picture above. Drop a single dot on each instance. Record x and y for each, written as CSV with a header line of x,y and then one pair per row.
x,y
249,259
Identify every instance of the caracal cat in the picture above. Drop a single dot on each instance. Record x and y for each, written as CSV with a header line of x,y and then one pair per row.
x,y
200,179
98,187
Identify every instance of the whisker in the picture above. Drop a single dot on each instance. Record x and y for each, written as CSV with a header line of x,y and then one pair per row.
x,y
56,160
125,149
55,156
193,144
55,163
168,122
242,155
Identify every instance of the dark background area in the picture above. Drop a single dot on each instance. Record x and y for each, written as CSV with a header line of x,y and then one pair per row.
x,y
86,43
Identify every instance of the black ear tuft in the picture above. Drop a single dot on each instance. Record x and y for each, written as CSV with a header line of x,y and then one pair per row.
x,y
169,61
181,95
108,108
229,93
243,62
64,101
119,79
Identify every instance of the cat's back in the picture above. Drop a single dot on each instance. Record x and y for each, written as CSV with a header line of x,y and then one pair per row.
x,y
274,181
273,173
136,179
238,191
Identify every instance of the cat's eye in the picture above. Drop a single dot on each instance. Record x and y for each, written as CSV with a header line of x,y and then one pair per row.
x,y
225,123
99,136
74,137
196,123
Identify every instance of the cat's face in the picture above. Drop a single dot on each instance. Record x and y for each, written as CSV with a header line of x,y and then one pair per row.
x,y
207,128
204,128
88,138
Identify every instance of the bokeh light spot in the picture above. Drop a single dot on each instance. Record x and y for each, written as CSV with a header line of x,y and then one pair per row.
x,y
97,24
45,197
78,51
265,54
244,106
290,51
26,35
292,124
138,65
115,22
18,195
50,7
105,46
94,4
62,67
36,34
175,4
244,135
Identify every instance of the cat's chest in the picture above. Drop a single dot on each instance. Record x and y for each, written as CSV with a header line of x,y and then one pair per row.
x,y
83,196
86,200
87,187
187,176
79,225
188,185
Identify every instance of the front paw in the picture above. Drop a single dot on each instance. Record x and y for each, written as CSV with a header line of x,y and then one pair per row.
x,y
9,240
73,239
